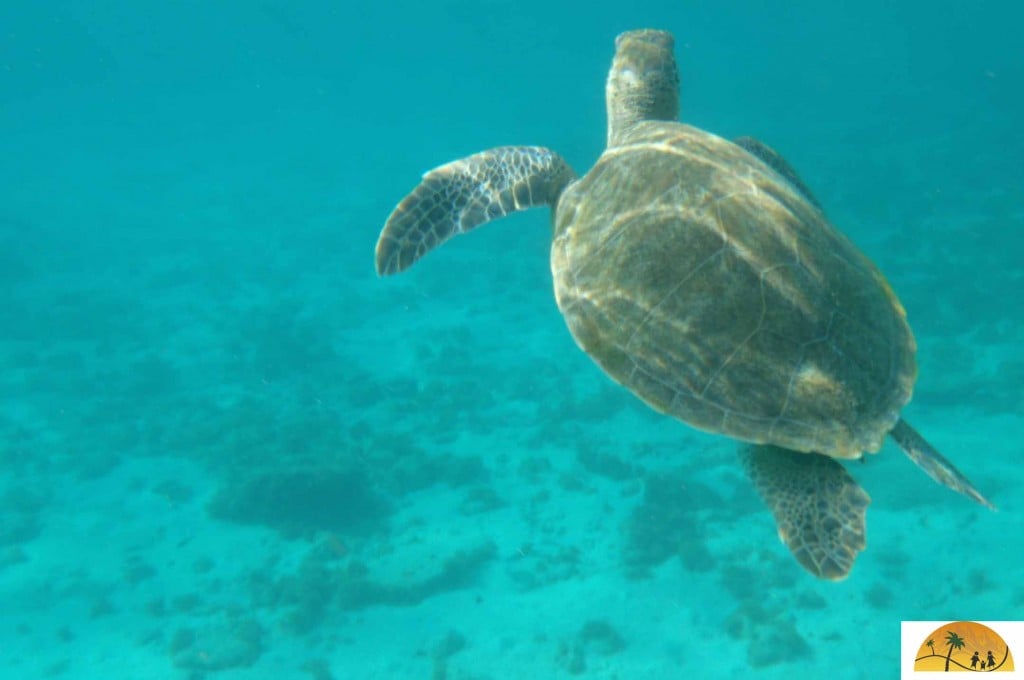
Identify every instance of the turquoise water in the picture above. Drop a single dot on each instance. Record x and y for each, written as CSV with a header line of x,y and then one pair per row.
x,y
229,450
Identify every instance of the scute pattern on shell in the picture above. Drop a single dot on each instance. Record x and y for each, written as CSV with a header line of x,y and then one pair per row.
x,y
703,281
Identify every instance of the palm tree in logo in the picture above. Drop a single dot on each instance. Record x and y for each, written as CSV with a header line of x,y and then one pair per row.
x,y
955,642
931,645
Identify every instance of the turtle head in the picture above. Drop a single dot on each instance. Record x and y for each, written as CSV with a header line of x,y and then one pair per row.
x,y
643,83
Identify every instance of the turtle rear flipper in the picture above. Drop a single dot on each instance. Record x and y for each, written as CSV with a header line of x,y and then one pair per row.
x,y
934,463
466,193
818,507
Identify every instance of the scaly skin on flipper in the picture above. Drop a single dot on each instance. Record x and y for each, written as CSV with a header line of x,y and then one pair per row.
x,y
818,507
934,463
466,193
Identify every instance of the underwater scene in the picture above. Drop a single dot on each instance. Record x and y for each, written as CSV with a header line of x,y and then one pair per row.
x,y
231,449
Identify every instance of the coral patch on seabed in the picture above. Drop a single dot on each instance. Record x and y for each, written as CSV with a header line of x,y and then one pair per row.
x,y
596,638
217,646
305,500
668,523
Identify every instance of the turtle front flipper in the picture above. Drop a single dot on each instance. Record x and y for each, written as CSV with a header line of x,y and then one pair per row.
x,y
774,160
934,463
466,193
818,507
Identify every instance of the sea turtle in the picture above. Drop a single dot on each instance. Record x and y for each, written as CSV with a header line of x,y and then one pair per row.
x,y
702,275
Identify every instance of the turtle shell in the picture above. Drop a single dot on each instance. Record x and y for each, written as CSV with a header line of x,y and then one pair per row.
x,y
707,284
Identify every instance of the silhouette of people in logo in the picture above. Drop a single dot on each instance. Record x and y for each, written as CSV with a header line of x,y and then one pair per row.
x,y
991,660
974,661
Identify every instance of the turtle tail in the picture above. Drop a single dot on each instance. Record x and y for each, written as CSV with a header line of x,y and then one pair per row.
x,y
466,193
937,466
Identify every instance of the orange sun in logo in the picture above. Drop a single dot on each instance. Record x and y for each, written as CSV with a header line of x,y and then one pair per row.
x,y
963,646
